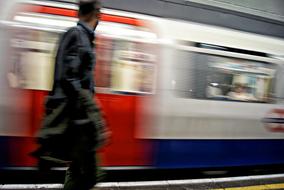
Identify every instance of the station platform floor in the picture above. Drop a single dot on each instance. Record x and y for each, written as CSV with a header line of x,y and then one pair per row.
x,y
257,182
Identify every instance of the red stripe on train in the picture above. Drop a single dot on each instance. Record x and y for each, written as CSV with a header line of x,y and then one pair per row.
x,y
74,13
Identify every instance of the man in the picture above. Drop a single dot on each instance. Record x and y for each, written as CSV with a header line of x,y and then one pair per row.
x,y
73,127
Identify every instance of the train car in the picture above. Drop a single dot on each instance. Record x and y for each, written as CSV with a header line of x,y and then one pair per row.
x,y
220,101
176,94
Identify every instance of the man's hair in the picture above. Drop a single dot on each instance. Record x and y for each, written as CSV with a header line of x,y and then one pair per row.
x,y
86,7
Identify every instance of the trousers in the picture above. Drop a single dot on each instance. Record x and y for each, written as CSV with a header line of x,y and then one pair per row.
x,y
82,173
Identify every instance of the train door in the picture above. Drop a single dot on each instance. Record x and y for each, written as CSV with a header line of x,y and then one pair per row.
x,y
125,77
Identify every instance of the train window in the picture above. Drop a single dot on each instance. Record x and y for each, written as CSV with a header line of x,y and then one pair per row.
x,y
222,78
133,69
122,65
31,60
125,66
278,86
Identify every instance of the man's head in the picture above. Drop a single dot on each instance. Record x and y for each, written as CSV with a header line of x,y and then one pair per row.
x,y
89,12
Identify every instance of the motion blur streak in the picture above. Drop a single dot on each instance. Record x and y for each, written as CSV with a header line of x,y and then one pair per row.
x,y
176,94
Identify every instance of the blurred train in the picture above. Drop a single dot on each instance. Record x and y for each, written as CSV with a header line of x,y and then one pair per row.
x,y
176,94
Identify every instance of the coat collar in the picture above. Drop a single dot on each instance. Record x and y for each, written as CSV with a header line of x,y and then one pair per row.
x,y
87,29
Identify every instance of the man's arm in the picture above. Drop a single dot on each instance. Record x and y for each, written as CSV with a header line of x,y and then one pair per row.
x,y
71,61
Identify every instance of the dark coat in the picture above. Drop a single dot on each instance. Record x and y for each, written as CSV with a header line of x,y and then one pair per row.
x,y
73,123
75,61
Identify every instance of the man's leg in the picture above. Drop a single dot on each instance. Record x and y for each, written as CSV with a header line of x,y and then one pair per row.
x,y
89,171
81,175
72,178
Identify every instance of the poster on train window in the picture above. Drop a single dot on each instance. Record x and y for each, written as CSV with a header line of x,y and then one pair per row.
x,y
133,72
